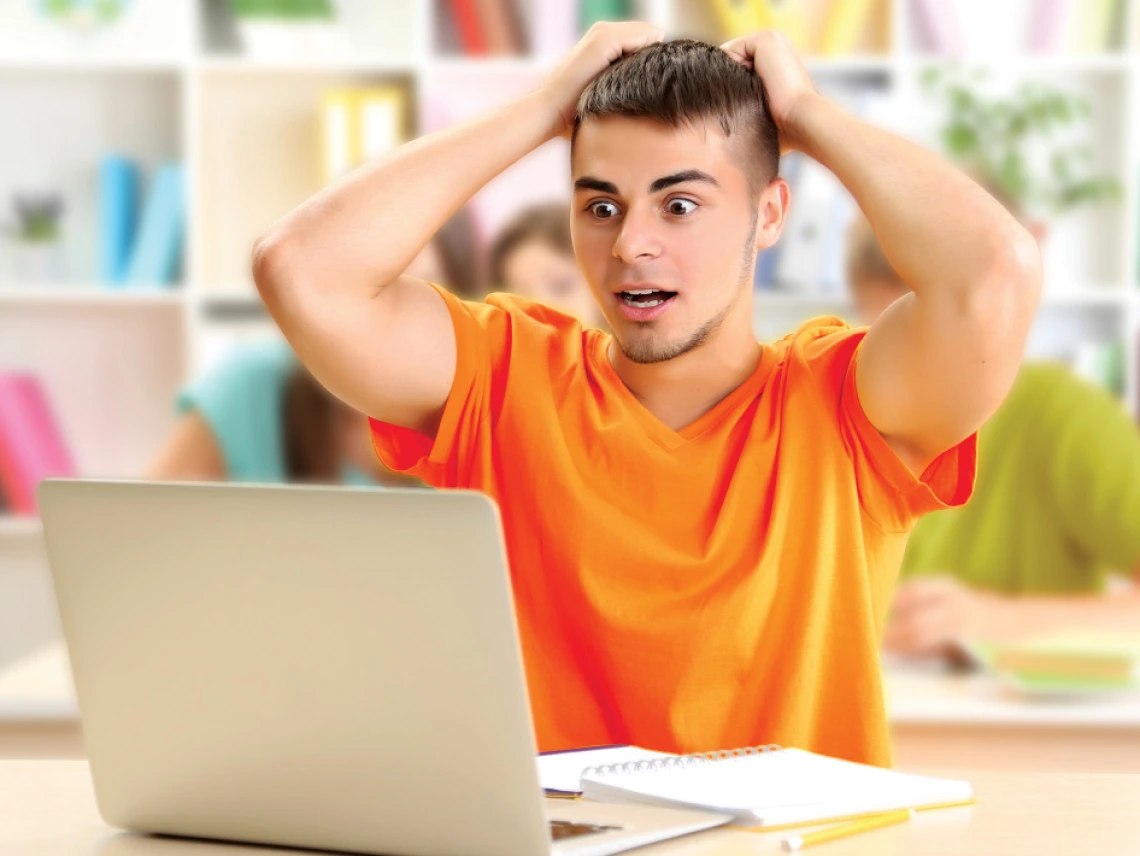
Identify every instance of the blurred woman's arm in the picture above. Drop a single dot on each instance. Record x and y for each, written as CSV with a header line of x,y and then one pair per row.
x,y
191,453
931,614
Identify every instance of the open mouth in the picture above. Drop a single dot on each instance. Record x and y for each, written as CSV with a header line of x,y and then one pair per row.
x,y
646,298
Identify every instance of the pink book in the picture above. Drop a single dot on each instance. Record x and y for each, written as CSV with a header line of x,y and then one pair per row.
x,y
1047,25
938,26
31,446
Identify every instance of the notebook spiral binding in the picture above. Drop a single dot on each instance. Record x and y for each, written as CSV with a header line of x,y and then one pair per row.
x,y
681,762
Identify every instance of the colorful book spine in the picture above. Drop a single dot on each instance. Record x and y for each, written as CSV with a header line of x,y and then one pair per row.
x,y
157,252
471,36
845,25
937,27
790,17
118,215
591,12
31,444
737,17
1090,31
499,22
359,124
553,26
1047,25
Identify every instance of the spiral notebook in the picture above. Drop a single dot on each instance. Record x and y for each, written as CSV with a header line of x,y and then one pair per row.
x,y
770,786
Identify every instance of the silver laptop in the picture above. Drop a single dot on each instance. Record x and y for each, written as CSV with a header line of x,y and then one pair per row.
x,y
313,667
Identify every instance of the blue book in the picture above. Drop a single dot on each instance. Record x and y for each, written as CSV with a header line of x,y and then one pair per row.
x,y
157,252
118,213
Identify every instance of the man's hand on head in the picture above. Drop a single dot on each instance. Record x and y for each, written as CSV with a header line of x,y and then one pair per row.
x,y
786,81
603,44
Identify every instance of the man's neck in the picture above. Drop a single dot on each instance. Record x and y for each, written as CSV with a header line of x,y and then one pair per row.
x,y
682,390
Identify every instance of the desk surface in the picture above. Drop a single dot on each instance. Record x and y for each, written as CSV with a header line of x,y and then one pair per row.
x,y
49,810
39,687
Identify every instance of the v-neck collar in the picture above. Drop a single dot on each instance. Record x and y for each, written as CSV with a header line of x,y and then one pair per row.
x,y
657,430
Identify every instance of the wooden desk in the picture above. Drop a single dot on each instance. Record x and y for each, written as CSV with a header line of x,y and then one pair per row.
x,y
942,721
49,810
937,722
38,715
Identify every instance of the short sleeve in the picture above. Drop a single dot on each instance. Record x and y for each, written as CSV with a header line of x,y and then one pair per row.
x,y
1094,471
460,453
241,397
889,492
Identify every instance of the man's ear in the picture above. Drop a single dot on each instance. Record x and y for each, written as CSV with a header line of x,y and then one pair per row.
x,y
772,212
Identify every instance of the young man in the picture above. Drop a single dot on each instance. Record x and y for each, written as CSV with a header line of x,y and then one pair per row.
x,y
1057,507
703,531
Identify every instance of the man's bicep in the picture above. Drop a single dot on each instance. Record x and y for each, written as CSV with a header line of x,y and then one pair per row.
x,y
391,356
931,371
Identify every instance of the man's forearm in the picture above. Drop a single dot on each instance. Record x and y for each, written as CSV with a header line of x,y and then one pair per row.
x,y
937,228
363,232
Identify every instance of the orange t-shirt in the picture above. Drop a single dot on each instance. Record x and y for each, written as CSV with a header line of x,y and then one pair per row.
x,y
716,587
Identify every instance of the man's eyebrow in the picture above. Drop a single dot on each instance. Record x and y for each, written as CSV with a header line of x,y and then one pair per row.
x,y
588,183
682,177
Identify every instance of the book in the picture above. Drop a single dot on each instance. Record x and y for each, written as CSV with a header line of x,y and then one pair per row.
x,y
553,25
502,30
812,240
591,12
157,251
1090,28
359,124
737,17
845,26
1047,25
790,17
1088,656
769,786
937,27
471,36
118,216
31,444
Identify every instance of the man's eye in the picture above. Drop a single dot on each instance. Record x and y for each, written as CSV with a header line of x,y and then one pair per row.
x,y
604,210
680,207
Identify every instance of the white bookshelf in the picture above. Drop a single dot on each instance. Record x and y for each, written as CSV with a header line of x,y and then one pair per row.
x,y
170,84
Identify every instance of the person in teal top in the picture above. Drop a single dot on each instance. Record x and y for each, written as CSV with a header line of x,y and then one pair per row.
x,y
1055,511
258,416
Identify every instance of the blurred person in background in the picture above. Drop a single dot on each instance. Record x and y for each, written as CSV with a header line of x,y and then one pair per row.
x,y
533,257
259,416
1055,511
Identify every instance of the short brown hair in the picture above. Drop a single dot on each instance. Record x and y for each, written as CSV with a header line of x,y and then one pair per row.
x,y
548,224
683,81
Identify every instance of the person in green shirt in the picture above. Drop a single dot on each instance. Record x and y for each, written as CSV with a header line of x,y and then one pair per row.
x,y
1055,512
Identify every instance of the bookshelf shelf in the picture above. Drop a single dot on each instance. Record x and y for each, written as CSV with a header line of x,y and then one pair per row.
x,y
97,296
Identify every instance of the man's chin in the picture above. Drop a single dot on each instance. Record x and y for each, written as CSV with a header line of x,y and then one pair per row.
x,y
646,350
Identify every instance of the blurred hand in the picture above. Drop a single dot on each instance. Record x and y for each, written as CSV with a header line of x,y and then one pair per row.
x,y
603,44
932,613
771,55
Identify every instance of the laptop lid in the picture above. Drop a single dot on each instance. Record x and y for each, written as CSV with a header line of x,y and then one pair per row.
x,y
319,667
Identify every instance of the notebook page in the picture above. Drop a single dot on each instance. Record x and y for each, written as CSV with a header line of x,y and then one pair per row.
x,y
562,771
788,786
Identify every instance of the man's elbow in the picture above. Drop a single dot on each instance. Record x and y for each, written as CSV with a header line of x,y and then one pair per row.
x,y
274,264
1013,276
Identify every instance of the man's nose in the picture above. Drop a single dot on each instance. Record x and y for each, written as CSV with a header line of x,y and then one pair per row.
x,y
638,240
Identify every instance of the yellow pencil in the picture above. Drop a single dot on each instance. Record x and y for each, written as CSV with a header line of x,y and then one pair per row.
x,y
799,842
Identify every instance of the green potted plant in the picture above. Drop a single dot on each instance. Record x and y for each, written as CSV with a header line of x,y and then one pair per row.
x,y
288,28
36,244
1031,145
